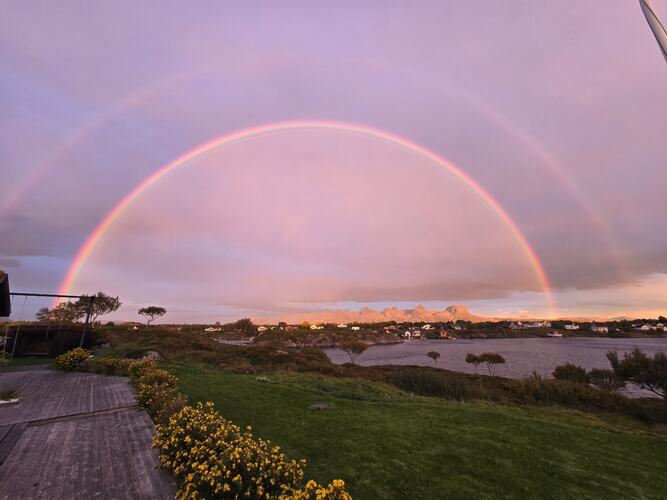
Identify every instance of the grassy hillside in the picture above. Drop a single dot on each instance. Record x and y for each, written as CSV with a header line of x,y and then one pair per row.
x,y
388,444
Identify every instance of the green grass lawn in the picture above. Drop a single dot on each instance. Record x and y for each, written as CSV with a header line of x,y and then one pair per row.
x,y
387,444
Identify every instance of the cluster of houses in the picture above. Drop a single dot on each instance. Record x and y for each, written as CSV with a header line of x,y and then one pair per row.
x,y
529,324
416,334
648,327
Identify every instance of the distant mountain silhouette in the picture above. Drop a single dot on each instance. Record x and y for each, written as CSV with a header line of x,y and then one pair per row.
x,y
367,315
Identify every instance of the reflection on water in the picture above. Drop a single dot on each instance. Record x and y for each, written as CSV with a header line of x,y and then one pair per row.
x,y
522,356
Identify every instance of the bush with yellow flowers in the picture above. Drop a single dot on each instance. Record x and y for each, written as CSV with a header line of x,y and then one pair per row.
x,y
155,376
314,491
106,366
161,401
137,368
72,359
215,459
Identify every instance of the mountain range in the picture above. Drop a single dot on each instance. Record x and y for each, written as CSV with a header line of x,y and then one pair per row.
x,y
367,315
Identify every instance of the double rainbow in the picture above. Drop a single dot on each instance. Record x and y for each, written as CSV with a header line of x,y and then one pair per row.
x,y
240,135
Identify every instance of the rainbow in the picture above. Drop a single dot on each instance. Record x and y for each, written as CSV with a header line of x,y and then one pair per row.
x,y
253,132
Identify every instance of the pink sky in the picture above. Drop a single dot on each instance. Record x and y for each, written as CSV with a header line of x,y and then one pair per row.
x,y
555,109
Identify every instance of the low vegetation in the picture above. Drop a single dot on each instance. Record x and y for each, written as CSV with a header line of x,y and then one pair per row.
x,y
8,393
215,459
210,456
647,372
572,373
71,360
387,443
376,416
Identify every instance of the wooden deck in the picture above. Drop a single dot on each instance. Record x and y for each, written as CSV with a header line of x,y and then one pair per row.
x,y
76,435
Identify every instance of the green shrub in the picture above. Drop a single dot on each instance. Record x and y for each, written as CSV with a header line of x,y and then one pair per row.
x,y
7,393
536,390
428,383
642,370
572,373
605,379
70,360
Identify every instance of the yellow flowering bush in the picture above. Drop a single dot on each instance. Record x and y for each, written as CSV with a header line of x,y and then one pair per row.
x,y
215,459
160,400
137,368
156,376
106,366
72,359
314,491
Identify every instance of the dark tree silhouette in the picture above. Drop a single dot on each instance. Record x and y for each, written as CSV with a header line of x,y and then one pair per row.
x,y
434,355
473,359
246,327
491,359
353,348
642,370
103,304
151,313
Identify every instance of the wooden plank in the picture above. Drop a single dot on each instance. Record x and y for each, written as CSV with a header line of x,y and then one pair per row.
x,y
80,438
47,393
9,440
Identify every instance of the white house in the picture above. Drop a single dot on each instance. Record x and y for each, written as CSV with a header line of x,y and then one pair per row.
x,y
572,327
600,328
211,329
262,328
646,327
516,326
316,327
356,328
416,334
427,327
407,335
341,325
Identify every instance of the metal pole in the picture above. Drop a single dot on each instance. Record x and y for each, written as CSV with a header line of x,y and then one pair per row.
x,y
18,328
22,294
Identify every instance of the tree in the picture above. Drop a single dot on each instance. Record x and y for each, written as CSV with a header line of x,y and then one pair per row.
x,y
245,326
65,312
473,359
642,370
43,315
572,373
434,355
605,379
491,359
151,313
101,305
353,348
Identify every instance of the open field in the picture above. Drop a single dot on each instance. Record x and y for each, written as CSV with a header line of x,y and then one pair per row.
x,y
388,444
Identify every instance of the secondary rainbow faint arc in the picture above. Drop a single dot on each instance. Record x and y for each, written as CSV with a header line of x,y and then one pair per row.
x,y
239,135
